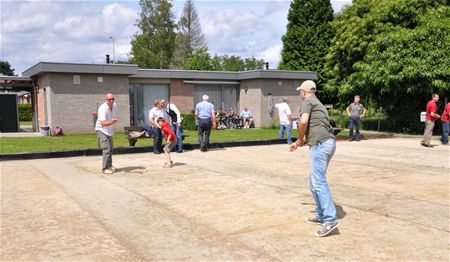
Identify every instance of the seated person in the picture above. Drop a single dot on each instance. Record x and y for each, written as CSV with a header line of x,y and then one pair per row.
x,y
247,118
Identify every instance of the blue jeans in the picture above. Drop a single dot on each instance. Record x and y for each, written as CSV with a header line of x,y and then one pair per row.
x,y
445,130
321,155
179,133
288,133
354,123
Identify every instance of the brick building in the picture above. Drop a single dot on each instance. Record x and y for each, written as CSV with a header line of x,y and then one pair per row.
x,y
68,93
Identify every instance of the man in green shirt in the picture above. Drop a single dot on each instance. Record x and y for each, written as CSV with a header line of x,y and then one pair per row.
x,y
315,126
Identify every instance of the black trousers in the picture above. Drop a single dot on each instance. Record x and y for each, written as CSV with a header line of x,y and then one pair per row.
x,y
204,130
157,140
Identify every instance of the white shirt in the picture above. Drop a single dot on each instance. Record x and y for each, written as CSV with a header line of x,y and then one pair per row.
x,y
175,109
156,113
104,113
283,112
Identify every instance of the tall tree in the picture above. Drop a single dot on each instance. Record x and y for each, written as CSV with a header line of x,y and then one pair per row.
x,y
200,59
154,45
308,36
5,68
189,36
394,52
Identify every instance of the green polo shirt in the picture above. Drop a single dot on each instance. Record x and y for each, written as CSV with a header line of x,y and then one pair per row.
x,y
319,129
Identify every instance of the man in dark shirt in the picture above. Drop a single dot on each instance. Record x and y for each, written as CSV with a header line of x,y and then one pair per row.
x,y
315,126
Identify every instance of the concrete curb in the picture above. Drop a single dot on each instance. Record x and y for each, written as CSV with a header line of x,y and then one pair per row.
x,y
131,150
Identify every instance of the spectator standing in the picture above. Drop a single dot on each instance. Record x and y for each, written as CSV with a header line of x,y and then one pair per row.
x,y
156,112
176,122
106,118
285,115
445,119
315,126
247,118
355,111
171,140
204,111
431,116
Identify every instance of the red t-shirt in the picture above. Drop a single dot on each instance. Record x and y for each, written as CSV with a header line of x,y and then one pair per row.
x,y
431,107
445,117
167,130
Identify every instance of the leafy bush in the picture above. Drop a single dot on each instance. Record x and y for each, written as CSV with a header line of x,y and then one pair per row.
x,y
25,112
189,122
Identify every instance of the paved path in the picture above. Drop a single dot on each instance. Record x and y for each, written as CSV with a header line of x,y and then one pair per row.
x,y
239,204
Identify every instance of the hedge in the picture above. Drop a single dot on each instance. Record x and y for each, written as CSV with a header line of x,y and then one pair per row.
x,y
25,112
189,122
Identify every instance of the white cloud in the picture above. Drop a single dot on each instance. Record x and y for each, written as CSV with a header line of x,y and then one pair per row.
x,y
65,31
78,30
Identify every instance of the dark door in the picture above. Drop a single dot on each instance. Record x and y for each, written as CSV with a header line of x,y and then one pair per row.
x,y
9,116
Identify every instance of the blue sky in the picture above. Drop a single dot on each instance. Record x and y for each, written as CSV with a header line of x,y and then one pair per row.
x,y
78,31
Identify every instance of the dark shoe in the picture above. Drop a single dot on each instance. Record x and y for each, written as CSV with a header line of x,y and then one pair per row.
x,y
156,152
357,140
180,151
351,140
427,145
313,221
326,229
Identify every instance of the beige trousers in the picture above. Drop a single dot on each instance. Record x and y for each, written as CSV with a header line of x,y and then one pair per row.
x,y
429,125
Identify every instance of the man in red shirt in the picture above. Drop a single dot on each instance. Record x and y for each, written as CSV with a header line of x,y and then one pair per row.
x,y
170,138
445,119
431,116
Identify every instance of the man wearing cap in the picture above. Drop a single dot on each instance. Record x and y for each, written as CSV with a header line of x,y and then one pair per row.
x,y
204,111
106,118
175,120
316,131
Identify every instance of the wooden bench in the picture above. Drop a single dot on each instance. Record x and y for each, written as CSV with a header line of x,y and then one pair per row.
x,y
134,133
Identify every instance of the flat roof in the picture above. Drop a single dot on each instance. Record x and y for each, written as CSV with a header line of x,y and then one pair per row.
x,y
55,67
134,72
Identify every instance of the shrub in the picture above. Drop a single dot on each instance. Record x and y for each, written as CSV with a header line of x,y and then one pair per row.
x,y
189,122
25,112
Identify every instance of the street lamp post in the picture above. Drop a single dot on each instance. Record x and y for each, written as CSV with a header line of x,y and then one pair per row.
x,y
114,49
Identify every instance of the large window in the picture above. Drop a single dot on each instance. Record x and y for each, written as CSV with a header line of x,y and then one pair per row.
x,y
144,96
223,97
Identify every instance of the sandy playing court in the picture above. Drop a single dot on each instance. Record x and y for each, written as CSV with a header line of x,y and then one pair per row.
x,y
243,203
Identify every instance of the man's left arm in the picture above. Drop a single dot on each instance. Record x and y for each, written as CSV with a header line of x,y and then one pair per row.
x,y
363,111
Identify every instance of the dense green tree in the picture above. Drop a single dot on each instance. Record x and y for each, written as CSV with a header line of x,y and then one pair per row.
x,y
395,53
154,45
308,36
189,36
5,68
201,60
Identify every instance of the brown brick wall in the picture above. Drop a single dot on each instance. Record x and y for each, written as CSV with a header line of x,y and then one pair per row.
x,y
72,105
182,95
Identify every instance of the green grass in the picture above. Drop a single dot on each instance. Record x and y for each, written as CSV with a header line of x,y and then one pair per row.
x,y
26,123
88,141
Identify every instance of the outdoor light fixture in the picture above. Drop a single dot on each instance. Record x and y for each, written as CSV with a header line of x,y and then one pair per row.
x,y
245,89
114,49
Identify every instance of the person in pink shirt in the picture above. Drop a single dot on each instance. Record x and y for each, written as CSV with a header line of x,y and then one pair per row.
x,y
445,119
431,117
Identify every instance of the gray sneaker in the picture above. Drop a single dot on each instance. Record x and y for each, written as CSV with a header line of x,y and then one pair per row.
x,y
314,221
326,229
168,165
